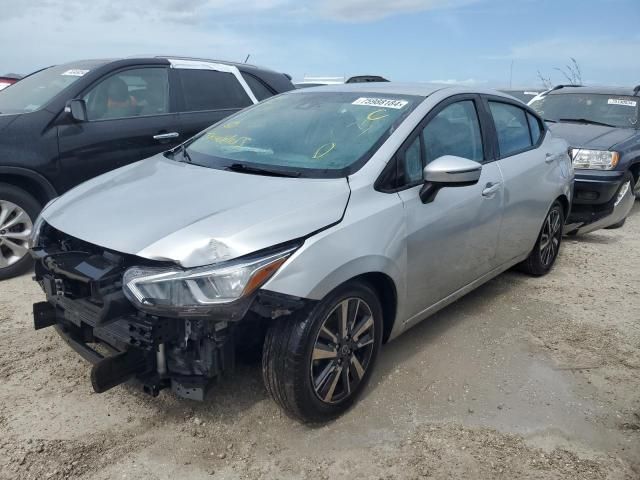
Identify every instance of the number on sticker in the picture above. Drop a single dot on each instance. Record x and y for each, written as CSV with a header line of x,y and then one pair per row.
x,y
617,101
381,102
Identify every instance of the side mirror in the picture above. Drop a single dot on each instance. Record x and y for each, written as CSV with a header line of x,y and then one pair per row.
x,y
77,108
448,171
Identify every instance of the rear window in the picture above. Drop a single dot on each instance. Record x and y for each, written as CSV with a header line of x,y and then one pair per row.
x,y
211,90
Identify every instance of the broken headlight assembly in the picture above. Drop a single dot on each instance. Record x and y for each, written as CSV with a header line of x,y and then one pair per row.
x,y
594,159
200,291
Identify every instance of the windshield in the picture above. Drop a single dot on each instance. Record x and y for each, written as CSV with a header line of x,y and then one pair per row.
x,y
33,92
316,134
614,110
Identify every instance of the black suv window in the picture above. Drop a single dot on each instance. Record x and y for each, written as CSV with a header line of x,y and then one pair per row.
x,y
258,88
131,93
512,128
211,90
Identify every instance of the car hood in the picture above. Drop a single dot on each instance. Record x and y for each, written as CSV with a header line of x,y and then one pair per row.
x,y
165,210
594,137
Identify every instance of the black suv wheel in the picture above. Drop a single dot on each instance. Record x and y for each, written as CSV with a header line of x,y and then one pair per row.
x,y
315,366
18,212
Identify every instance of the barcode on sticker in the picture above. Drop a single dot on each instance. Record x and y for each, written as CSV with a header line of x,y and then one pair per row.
x,y
380,102
74,73
626,103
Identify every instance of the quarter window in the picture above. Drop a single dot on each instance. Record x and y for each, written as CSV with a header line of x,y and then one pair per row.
x,y
412,163
258,88
534,126
512,128
211,90
131,93
455,130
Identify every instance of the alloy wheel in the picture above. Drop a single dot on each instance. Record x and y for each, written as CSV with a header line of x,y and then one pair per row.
x,y
15,230
342,350
550,238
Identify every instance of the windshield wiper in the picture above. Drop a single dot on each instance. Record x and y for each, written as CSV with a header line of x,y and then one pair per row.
x,y
548,120
185,155
242,168
585,120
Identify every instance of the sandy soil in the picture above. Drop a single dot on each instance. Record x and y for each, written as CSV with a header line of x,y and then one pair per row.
x,y
523,378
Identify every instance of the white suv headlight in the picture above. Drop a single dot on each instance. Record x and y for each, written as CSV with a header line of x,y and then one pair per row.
x,y
198,291
594,159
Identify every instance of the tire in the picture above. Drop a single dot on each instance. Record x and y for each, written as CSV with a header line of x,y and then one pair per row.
x,y
295,380
543,256
18,204
617,225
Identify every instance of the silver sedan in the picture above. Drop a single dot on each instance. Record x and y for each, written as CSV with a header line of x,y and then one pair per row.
x,y
318,224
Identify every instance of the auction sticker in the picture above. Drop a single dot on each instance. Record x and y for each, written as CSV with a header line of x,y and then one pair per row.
x,y
380,102
626,103
74,73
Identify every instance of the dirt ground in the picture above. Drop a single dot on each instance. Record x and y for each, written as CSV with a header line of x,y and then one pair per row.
x,y
534,378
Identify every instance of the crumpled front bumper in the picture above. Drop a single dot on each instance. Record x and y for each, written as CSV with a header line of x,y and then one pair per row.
x,y
86,305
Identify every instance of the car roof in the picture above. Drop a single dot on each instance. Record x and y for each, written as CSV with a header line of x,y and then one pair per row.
x,y
398,88
604,90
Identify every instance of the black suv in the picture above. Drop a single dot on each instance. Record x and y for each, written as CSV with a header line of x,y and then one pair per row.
x,y
601,125
66,124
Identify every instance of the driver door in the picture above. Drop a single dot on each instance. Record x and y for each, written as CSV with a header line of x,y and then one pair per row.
x,y
451,241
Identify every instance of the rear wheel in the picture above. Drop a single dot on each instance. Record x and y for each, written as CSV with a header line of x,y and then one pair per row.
x,y
18,212
544,253
315,366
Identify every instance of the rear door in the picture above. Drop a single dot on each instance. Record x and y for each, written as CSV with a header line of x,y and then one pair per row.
x,y
130,117
208,93
451,241
529,177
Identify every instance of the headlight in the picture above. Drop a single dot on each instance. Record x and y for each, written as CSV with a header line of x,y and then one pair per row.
x,y
34,238
198,291
594,159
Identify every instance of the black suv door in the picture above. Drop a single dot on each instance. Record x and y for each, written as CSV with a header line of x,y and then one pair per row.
x,y
208,96
129,118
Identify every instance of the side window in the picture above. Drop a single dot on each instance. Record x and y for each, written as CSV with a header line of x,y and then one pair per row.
x,y
511,126
455,130
258,88
137,92
411,165
534,127
211,90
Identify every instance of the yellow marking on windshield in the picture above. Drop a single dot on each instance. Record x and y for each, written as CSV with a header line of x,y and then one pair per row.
x,y
232,124
323,150
377,115
228,139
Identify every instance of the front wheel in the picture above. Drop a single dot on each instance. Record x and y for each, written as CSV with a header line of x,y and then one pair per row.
x,y
18,212
544,253
315,366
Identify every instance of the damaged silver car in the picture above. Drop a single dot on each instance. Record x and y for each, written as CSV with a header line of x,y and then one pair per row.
x,y
316,225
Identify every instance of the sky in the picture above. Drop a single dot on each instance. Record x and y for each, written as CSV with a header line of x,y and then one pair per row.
x,y
485,42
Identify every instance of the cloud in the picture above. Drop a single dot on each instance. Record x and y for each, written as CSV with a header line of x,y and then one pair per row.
x,y
370,10
597,52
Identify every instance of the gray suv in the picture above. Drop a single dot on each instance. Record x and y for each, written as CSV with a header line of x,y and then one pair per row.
x,y
317,224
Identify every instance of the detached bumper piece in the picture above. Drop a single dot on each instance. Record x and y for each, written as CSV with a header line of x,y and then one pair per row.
x,y
594,200
86,306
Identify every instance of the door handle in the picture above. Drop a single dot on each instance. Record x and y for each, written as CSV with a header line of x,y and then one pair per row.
x,y
490,189
166,136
